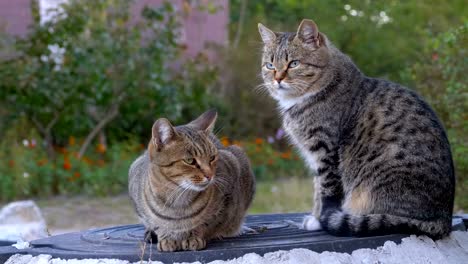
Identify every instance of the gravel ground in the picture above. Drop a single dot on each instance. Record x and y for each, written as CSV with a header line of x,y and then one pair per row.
x,y
65,214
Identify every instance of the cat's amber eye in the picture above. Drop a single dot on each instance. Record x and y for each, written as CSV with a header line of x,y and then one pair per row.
x,y
269,66
294,64
190,161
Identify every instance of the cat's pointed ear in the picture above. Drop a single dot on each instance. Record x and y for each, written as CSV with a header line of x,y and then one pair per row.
x,y
162,133
205,121
308,33
267,35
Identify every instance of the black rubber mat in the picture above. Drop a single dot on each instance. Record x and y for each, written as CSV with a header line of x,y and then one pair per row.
x,y
274,232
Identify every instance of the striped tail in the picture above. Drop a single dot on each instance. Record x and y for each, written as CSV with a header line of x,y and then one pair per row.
x,y
339,223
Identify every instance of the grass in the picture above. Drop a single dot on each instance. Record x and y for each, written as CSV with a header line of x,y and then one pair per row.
x,y
67,214
283,196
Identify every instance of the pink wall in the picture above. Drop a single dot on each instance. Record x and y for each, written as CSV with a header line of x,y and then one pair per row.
x,y
15,16
198,27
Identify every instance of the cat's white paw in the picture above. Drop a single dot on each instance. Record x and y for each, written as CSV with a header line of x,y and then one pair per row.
x,y
247,230
311,223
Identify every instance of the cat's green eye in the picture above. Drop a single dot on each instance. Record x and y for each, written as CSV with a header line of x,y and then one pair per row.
x,y
294,64
269,66
190,161
212,158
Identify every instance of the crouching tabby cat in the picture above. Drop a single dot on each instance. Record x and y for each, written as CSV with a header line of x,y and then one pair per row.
x,y
187,188
381,155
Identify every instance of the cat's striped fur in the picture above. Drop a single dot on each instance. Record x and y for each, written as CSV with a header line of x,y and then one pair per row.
x,y
188,188
381,155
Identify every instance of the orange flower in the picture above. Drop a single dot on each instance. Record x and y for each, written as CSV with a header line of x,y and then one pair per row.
x,y
71,141
101,148
237,143
74,177
286,155
41,162
62,150
11,163
270,162
259,141
225,141
101,162
87,160
67,166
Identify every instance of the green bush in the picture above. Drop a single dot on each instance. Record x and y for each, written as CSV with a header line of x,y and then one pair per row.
x,y
270,159
93,70
27,171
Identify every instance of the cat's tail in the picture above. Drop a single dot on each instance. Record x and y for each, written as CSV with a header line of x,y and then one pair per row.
x,y
340,223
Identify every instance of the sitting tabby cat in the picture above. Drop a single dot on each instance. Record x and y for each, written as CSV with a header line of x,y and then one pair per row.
x,y
187,188
381,155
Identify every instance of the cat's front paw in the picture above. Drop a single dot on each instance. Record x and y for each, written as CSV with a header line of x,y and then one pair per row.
x,y
311,223
151,237
168,245
245,230
193,243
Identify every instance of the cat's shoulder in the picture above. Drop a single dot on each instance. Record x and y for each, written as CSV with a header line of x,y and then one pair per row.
x,y
389,91
139,164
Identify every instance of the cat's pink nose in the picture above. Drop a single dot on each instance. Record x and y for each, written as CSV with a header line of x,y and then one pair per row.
x,y
279,79
209,176
279,76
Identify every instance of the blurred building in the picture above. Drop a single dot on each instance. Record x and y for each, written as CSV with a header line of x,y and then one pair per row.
x,y
199,26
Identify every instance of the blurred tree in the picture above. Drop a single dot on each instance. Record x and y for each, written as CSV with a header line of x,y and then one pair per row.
x,y
92,64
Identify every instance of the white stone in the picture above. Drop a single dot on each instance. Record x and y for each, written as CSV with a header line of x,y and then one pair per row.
x,y
414,249
21,244
22,221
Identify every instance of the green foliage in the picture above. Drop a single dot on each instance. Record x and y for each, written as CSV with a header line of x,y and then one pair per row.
x,y
440,75
270,160
95,67
27,171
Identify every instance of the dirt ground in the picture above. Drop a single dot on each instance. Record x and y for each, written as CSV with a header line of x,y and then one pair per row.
x,y
68,214
65,214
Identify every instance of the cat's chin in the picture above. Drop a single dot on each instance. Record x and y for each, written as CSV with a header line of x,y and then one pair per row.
x,y
286,101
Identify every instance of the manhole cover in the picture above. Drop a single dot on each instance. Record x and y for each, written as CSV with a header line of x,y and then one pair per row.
x,y
273,232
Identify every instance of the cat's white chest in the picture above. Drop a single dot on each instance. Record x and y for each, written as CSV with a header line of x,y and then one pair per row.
x,y
312,159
